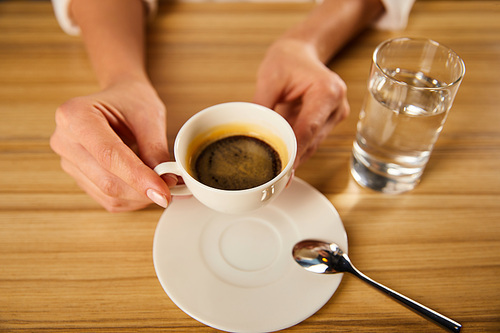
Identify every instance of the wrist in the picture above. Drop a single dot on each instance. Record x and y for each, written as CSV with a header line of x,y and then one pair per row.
x,y
307,36
135,96
113,33
132,85
333,23
113,78
290,44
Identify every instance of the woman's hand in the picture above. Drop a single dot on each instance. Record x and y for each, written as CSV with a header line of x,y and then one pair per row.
x,y
293,81
110,141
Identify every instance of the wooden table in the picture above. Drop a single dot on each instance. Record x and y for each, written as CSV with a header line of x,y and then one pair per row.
x,y
68,265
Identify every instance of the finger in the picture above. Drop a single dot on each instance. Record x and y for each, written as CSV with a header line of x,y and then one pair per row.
x,y
289,110
322,109
341,113
150,133
90,128
109,190
267,92
334,119
110,203
107,183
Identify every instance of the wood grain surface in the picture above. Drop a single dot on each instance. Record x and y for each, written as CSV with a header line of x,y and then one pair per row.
x,y
66,265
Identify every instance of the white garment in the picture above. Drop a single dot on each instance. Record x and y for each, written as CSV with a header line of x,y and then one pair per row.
x,y
395,16
61,10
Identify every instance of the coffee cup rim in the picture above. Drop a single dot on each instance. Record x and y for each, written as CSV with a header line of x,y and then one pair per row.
x,y
291,158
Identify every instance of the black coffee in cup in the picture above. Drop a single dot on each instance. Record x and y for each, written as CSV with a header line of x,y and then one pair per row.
x,y
236,162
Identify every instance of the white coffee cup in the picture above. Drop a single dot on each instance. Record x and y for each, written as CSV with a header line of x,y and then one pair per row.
x,y
235,118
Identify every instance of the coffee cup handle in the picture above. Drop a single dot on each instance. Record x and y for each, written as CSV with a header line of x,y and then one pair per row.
x,y
172,167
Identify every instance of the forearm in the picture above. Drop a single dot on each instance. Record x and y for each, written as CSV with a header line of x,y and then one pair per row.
x,y
333,23
113,33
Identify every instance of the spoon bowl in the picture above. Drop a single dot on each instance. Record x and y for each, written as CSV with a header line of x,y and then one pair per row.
x,y
327,258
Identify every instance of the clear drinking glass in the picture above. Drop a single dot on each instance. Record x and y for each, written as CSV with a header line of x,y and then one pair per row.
x,y
411,88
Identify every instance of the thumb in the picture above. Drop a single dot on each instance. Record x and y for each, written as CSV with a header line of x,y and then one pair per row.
x,y
265,94
151,139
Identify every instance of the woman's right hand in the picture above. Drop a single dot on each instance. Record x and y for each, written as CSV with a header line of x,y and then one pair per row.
x,y
110,141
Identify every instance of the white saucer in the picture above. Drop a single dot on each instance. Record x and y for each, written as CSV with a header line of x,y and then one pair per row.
x,y
236,272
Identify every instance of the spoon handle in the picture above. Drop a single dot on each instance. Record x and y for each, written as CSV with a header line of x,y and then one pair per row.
x,y
418,308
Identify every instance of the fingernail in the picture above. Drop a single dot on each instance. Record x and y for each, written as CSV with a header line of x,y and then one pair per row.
x,y
157,198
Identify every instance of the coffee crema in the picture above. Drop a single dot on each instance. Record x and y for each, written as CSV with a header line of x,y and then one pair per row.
x,y
236,162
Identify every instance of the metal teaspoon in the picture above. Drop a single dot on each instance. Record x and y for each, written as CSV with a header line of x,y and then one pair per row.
x,y
328,258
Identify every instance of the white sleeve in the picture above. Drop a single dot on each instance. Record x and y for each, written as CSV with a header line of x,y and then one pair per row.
x,y
61,10
395,16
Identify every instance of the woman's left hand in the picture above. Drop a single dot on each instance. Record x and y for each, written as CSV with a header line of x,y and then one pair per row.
x,y
294,82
